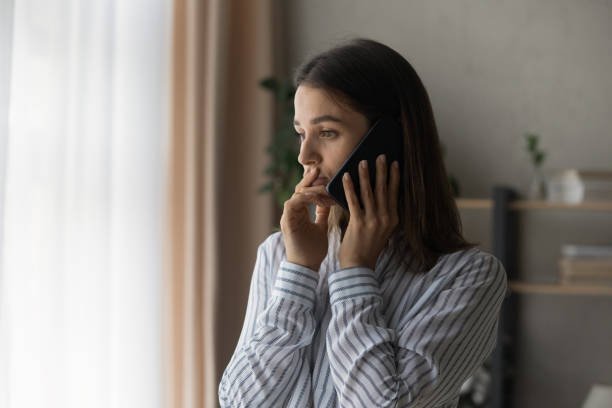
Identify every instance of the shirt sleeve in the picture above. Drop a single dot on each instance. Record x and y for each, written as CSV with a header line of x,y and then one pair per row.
x,y
423,362
269,362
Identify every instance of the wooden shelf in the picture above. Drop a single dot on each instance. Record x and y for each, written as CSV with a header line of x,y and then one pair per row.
x,y
557,289
545,205
474,203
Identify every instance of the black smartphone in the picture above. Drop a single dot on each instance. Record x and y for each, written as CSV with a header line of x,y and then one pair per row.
x,y
384,137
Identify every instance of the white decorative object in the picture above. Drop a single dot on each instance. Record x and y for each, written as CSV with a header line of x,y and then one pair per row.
x,y
597,184
537,188
565,186
586,251
600,396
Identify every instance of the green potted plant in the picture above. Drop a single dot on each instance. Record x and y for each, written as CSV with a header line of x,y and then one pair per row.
x,y
283,170
537,188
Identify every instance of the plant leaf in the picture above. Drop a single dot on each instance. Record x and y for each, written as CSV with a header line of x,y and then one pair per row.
x,y
269,83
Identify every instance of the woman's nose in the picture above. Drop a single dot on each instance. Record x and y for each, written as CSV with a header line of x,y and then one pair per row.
x,y
308,152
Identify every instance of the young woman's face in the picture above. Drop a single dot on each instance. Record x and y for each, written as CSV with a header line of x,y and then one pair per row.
x,y
328,131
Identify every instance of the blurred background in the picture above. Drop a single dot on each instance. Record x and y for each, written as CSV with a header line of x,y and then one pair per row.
x,y
144,154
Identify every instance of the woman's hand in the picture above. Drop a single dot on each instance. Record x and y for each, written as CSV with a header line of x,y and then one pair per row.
x,y
369,228
305,241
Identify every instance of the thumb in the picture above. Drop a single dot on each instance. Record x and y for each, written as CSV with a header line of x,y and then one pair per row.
x,y
322,214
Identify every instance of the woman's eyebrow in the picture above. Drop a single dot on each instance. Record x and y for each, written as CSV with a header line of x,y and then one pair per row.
x,y
319,119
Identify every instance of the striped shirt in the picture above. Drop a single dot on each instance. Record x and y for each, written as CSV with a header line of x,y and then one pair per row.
x,y
358,337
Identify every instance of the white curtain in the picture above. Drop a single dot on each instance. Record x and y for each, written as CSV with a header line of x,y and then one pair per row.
x,y
83,178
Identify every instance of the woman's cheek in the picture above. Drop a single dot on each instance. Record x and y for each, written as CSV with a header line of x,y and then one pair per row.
x,y
341,155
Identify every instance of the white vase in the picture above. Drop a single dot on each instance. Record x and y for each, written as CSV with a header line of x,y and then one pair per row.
x,y
565,186
537,188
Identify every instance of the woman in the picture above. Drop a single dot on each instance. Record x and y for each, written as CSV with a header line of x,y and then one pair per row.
x,y
385,305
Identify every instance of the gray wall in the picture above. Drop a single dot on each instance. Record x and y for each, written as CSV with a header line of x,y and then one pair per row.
x,y
495,70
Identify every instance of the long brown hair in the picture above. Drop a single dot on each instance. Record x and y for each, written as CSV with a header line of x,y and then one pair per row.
x,y
375,80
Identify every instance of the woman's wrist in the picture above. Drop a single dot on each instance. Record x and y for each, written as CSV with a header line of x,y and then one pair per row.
x,y
356,264
310,265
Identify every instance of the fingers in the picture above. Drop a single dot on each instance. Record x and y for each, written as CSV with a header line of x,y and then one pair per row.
x,y
305,185
394,189
322,215
307,180
306,194
305,198
351,196
314,190
366,190
381,184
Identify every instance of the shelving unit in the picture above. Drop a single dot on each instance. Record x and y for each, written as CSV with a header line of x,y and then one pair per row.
x,y
477,203
544,287
505,208
556,289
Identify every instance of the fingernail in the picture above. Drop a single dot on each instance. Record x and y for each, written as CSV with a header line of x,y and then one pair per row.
x,y
381,158
346,176
396,164
363,164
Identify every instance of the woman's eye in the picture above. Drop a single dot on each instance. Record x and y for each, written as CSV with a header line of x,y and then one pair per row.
x,y
323,133
328,133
